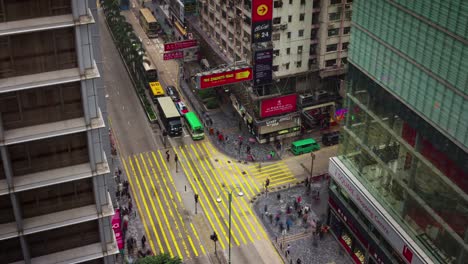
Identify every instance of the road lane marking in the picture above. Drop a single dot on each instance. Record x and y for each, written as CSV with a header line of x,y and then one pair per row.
x,y
236,200
202,201
148,234
174,203
156,212
198,238
213,198
145,204
167,209
219,186
248,207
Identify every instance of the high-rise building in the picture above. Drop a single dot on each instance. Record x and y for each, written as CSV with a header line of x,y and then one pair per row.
x,y
54,202
309,43
398,191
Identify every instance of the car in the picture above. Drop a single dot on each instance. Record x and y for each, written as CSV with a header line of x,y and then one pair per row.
x,y
182,108
330,139
172,92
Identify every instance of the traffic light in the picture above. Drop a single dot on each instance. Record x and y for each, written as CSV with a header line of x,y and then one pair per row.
x,y
214,237
267,182
196,198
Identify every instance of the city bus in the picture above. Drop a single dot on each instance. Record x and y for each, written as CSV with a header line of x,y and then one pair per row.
x,y
194,126
156,91
169,116
150,73
149,23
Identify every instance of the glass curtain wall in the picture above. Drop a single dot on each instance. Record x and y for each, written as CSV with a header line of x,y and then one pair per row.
x,y
393,166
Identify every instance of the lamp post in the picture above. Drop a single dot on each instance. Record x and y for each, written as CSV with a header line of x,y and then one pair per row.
x,y
240,193
312,155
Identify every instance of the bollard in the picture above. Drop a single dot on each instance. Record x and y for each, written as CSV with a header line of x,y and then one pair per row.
x,y
185,187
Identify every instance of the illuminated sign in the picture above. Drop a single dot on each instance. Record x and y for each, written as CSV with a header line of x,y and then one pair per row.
x,y
262,15
224,78
180,45
173,55
263,60
278,105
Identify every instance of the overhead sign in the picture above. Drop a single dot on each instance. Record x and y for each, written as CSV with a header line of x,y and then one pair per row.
x,y
399,241
263,66
224,78
278,105
173,55
180,45
262,15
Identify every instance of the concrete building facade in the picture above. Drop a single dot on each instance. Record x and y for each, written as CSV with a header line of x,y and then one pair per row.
x,y
309,42
54,202
399,185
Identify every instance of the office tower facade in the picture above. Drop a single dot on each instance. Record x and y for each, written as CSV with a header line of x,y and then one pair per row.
x,y
399,184
54,203
309,42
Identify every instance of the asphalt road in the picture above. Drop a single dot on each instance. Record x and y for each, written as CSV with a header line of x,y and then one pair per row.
x,y
163,190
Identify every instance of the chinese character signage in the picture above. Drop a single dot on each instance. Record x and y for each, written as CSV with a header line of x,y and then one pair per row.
x,y
278,105
262,15
180,45
117,229
263,64
178,54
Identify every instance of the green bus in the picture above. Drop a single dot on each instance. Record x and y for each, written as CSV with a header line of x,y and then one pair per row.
x,y
304,146
194,126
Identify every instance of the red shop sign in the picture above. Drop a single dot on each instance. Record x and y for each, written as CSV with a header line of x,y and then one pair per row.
x,y
224,78
262,10
278,105
180,45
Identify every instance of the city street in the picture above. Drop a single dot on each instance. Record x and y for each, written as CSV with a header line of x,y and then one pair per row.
x,y
164,194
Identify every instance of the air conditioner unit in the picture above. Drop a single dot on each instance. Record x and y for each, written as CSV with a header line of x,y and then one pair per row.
x,y
283,26
230,38
347,6
245,39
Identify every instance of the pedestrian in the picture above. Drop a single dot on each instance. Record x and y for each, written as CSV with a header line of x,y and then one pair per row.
x,y
120,172
299,199
130,206
306,182
248,149
278,196
266,207
271,218
288,250
298,261
143,241
168,156
281,227
277,218
211,131
288,224
226,138
296,205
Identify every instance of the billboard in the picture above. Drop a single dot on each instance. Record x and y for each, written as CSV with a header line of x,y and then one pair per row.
x,y
278,105
263,66
179,54
224,78
262,15
117,229
180,45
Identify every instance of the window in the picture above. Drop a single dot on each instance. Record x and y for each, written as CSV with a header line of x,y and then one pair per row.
x,y
286,66
348,15
329,63
299,49
290,19
278,4
276,52
313,33
26,9
298,64
344,60
303,2
333,32
312,49
334,2
346,30
332,47
344,46
301,33
316,4
301,17
349,1
275,68
289,35
290,2
334,16
276,20
276,36
288,51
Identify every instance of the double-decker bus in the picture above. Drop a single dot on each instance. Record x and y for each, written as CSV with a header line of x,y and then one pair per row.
x,y
156,91
149,23
169,116
150,73
194,126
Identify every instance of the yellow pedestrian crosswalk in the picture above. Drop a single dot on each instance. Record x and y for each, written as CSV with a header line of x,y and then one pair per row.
x,y
167,209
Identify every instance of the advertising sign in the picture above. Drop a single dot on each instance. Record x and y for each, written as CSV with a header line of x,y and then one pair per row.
x,y
117,230
173,55
400,241
180,45
227,77
262,14
278,105
263,64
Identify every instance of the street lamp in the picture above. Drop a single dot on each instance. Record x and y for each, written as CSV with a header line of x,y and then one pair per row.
x,y
312,155
218,199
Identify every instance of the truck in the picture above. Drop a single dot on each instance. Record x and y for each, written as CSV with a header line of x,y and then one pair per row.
x,y
169,116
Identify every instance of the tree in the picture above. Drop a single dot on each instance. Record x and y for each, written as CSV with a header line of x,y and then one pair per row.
x,y
160,259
